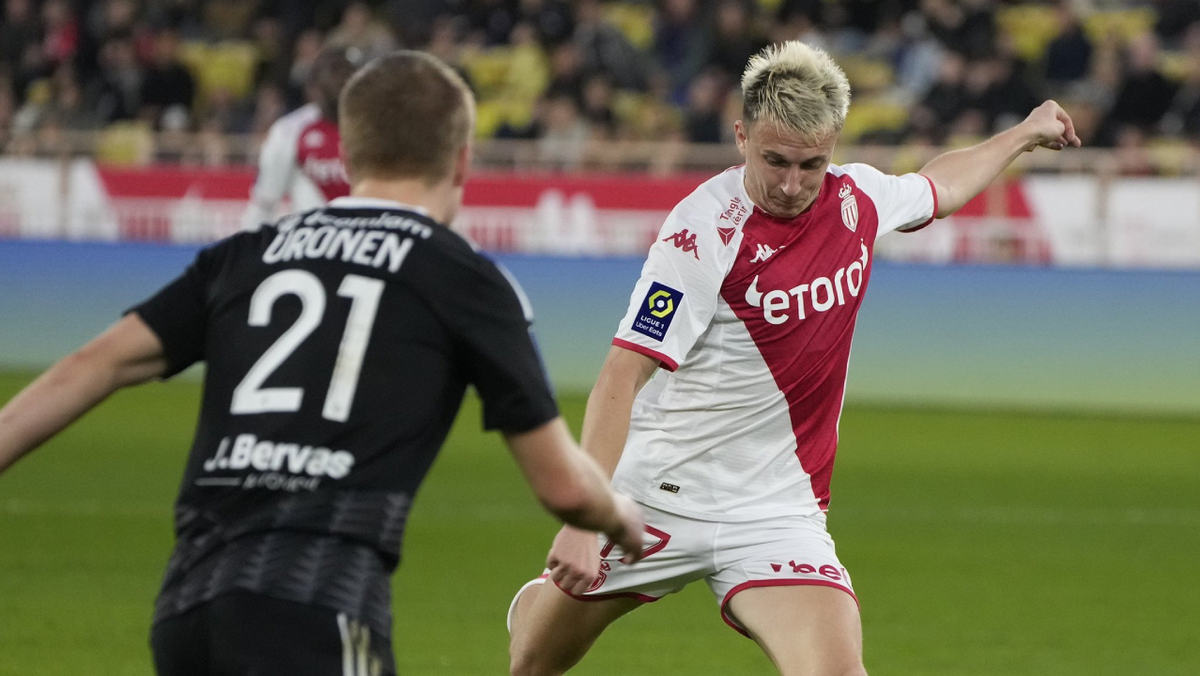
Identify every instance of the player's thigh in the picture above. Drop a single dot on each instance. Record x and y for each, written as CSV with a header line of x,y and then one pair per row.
x,y
806,630
180,644
551,631
253,635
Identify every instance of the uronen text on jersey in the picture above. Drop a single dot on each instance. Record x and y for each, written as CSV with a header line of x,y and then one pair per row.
x,y
363,240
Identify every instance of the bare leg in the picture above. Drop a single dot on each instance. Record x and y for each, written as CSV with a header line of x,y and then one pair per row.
x,y
551,631
805,630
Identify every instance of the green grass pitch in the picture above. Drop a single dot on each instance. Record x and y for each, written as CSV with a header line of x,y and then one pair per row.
x,y
981,544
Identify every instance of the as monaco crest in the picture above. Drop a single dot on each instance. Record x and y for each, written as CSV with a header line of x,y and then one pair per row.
x,y
849,207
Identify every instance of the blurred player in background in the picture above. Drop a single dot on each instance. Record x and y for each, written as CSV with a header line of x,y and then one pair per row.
x,y
301,156
748,303
339,343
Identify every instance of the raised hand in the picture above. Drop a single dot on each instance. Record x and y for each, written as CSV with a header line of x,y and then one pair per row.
x,y
1049,126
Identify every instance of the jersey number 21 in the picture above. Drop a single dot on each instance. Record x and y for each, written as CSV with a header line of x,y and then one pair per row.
x,y
251,397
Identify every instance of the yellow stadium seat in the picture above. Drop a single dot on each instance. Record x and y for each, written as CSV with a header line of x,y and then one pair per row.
x,y
225,65
1126,23
1030,27
635,21
868,115
488,69
1175,65
1170,156
867,75
125,143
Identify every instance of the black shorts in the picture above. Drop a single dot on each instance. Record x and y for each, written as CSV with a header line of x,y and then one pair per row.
x,y
244,634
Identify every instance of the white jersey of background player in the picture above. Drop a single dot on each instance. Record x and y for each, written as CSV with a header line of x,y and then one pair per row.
x,y
301,156
746,309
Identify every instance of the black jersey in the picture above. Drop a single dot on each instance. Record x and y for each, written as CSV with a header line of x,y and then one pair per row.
x,y
339,344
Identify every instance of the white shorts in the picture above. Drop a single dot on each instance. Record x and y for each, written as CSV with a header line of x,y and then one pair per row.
x,y
730,557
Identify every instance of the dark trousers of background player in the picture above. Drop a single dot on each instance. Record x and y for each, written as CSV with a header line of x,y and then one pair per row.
x,y
244,634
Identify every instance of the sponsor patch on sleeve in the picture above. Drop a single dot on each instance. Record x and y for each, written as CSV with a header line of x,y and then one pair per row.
x,y
657,311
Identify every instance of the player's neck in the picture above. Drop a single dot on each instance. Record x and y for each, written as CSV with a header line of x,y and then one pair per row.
x,y
435,199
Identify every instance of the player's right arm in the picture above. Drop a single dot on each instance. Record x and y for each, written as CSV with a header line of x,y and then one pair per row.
x,y
574,554
128,353
572,487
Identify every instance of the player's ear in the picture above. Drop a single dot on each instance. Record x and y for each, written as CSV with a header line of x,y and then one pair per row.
x,y
462,166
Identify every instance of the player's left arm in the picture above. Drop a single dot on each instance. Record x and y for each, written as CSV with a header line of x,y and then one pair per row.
x,y
960,175
128,353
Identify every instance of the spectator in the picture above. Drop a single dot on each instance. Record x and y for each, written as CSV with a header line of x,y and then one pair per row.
x,y
679,44
304,55
598,105
703,118
360,30
167,87
1145,94
605,49
1069,55
18,31
492,21
119,86
566,71
61,32
552,20
945,100
1175,17
564,140
733,40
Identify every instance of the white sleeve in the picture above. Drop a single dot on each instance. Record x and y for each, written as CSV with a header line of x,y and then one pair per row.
x,y
675,299
904,203
276,173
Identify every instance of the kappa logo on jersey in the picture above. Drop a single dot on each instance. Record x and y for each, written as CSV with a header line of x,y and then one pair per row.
x,y
657,311
283,466
686,242
765,252
820,294
849,207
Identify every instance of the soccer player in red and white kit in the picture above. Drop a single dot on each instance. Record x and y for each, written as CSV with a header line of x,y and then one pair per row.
x,y
717,408
301,156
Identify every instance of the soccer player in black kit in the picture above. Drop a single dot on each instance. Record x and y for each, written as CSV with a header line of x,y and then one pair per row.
x,y
339,343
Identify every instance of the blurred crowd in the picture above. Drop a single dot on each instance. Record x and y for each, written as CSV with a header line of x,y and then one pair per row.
x,y
571,74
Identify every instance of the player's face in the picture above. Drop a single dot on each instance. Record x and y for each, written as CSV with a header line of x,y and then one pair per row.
x,y
784,170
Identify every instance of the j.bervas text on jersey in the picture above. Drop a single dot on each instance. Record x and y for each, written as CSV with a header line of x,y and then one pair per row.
x,y
370,241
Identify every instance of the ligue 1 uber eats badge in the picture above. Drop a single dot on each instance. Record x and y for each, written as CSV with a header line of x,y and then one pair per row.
x,y
657,311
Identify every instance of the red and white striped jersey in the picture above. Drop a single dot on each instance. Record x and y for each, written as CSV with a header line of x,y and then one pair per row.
x,y
752,318
301,160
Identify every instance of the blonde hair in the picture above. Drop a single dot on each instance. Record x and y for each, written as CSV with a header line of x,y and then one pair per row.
x,y
797,87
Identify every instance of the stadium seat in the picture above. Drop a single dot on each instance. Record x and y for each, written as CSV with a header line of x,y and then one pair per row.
x,y
869,115
1031,28
1126,24
225,65
636,21
125,143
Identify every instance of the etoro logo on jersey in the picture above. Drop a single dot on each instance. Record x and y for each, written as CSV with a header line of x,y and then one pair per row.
x,y
656,312
818,295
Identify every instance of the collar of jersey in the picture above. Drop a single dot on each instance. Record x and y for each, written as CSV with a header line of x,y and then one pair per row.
x,y
375,203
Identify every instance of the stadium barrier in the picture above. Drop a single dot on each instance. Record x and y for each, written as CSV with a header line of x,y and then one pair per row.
x,y
945,335
1088,220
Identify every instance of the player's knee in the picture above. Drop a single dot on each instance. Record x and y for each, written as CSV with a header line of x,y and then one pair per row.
x,y
526,662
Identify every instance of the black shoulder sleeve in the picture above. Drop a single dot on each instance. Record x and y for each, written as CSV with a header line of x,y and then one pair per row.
x,y
178,314
492,325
